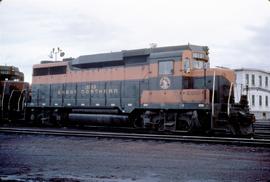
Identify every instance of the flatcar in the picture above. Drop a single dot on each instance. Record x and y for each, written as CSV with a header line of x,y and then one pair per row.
x,y
13,93
161,88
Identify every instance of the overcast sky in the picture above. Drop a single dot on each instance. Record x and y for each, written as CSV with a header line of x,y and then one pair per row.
x,y
236,31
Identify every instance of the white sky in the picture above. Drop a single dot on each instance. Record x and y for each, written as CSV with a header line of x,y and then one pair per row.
x,y
236,31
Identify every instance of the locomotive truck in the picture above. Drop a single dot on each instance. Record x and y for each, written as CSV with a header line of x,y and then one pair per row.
x,y
162,88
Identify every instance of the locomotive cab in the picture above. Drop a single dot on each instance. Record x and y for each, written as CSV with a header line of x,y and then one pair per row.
x,y
194,96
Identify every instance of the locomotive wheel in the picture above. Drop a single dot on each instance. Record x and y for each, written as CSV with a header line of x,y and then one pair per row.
x,y
239,130
55,119
233,129
158,122
161,126
185,124
246,130
137,122
56,123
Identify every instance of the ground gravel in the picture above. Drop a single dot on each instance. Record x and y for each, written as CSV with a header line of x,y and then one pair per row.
x,y
70,159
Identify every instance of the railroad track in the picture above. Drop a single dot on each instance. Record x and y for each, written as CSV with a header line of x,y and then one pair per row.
x,y
262,129
262,135
133,136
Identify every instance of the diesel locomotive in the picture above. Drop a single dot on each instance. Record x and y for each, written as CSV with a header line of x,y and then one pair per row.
x,y
160,88
13,93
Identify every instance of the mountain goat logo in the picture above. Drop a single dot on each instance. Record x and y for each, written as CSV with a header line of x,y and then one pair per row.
x,y
165,82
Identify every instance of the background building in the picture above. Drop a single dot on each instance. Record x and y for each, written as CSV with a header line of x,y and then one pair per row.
x,y
256,83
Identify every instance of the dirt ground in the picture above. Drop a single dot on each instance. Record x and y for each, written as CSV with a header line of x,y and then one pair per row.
x,y
51,158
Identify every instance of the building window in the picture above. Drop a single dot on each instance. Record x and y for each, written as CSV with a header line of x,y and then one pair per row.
x,y
253,80
165,67
260,80
266,101
253,100
260,100
266,81
247,79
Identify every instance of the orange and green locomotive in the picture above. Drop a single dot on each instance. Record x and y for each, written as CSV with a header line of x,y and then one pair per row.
x,y
161,88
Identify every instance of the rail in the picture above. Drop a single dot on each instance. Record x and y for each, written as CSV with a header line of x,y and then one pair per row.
x,y
262,129
134,136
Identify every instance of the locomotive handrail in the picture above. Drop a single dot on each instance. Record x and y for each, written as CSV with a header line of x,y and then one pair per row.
x,y
3,98
213,99
9,100
229,98
18,109
213,94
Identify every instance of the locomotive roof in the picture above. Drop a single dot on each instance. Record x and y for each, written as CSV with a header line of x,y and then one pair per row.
x,y
117,58
10,73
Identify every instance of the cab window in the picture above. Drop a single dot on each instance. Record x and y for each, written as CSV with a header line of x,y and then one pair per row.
x,y
186,65
197,64
165,67
50,71
197,55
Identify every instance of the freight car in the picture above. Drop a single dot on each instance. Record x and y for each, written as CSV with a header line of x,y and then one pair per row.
x,y
162,88
13,93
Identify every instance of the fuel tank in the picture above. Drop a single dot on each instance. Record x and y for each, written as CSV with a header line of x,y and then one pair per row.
x,y
99,119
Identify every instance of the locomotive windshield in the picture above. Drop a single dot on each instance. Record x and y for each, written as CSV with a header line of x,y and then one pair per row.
x,y
199,60
198,55
198,64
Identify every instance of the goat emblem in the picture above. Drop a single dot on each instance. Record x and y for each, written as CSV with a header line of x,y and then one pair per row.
x,y
165,83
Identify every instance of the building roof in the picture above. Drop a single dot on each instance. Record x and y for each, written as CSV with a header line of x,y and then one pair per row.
x,y
252,70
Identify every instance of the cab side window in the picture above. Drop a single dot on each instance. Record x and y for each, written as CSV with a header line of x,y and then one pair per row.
x,y
186,65
165,67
